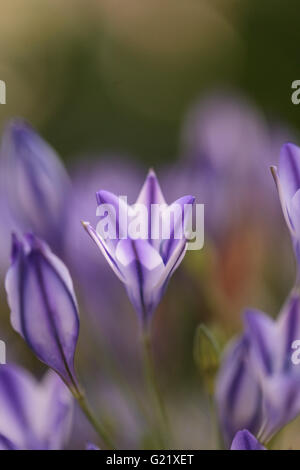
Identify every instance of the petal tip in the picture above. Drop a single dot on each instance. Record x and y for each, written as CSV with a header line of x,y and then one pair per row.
x,y
249,316
289,146
151,173
85,224
192,199
18,129
274,173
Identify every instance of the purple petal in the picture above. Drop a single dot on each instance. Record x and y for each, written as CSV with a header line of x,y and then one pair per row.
x,y
287,180
288,326
244,440
142,267
91,446
43,305
177,229
261,331
281,404
284,201
172,264
150,194
107,252
117,215
294,214
238,394
6,444
289,170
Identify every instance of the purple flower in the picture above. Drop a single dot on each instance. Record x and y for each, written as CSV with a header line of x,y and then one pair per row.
x,y
43,305
287,179
34,182
259,386
143,264
238,158
33,415
244,440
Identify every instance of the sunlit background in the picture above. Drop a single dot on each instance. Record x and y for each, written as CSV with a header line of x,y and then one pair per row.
x,y
201,91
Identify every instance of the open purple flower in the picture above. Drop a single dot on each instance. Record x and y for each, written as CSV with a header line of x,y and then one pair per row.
x,y
143,263
244,440
34,183
259,385
43,305
287,179
33,415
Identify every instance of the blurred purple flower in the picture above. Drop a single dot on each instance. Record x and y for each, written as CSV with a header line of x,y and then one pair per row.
x,y
43,305
258,386
227,149
143,265
287,179
244,440
242,136
34,182
33,415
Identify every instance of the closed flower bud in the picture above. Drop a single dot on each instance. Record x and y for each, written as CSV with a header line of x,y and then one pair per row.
x,y
43,305
34,182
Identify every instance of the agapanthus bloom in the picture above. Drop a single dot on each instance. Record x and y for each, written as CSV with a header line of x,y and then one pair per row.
x,y
33,415
33,182
258,386
143,263
244,440
43,305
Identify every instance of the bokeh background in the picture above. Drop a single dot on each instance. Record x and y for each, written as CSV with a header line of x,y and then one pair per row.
x,y
201,91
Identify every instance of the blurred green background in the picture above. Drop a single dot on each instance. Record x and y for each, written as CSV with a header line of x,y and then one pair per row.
x,y
117,76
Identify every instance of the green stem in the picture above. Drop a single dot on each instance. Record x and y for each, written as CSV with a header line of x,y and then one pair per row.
x,y
117,373
99,428
216,434
153,386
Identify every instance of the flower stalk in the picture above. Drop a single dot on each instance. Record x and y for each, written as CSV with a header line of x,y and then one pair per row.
x,y
154,389
97,425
